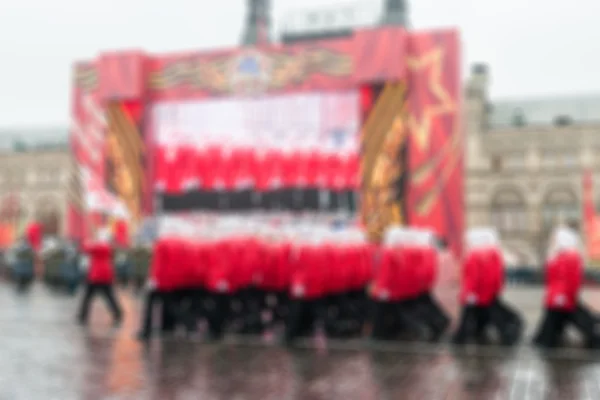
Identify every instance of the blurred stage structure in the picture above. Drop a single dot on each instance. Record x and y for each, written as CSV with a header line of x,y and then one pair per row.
x,y
384,94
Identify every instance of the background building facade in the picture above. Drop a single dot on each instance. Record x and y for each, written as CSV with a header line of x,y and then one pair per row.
x,y
35,172
525,164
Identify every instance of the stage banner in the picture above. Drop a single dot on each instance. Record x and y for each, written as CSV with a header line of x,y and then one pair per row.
x,y
94,155
433,120
591,222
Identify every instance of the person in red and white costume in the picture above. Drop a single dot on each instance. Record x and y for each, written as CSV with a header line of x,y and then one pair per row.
x,y
300,166
242,175
395,287
350,171
564,278
170,157
100,276
191,180
481,290
291,159
268,167
274,274
338,159
346,303
308,284
161,281
316,178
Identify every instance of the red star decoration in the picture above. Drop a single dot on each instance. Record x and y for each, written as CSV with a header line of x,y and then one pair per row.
x,y
429,98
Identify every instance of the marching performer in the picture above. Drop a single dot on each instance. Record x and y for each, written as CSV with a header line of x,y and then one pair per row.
x,y
395,287
351,269
564,275
175,274
482,284
100,277
307,286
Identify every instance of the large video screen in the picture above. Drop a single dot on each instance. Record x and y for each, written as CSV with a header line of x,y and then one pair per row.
x,y
287,150
327,120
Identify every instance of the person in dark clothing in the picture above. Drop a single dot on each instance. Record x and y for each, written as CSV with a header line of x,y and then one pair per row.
x,y
24,265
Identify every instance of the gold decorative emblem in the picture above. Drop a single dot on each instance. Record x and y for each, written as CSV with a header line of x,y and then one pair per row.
x,y
253,71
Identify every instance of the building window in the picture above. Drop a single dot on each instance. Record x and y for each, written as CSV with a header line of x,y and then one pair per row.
x,y
560,206
496,163
559,159
509,212
514,161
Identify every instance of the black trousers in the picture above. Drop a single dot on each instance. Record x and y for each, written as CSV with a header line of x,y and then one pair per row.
x,y
172,202
473,324
241,200
427,309
290,199
278,304
351,200
217,309
393,319
247,307
345,315
270,200
303,318
179,307
335,200
551,329
207,200
311,199
508,323
104,290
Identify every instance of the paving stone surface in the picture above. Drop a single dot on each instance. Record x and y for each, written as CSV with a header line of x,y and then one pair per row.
x,y
45,355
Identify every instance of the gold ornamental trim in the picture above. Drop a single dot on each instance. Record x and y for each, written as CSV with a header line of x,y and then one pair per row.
x,y
223,75
86,77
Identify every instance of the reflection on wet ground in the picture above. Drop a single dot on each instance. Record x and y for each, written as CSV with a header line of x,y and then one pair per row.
x,y
45,355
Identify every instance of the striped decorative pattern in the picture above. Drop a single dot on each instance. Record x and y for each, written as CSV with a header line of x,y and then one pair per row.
x,y
86,77
125,152
378,169
284,69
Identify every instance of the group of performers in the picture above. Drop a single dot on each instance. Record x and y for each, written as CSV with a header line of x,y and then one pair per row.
x,y
242,178
249,278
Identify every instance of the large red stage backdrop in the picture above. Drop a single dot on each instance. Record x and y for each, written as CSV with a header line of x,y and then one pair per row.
x,y
370,123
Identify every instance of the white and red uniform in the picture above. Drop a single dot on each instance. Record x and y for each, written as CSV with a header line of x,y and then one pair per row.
x,y
564,272
168,169
483,269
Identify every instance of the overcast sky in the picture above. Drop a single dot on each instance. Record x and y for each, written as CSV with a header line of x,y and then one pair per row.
x,y
534,47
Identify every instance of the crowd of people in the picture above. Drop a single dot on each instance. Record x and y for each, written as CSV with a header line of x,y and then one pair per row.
x,y
253,278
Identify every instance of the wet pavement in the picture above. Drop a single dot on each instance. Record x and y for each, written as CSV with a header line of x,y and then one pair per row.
x,y
45,355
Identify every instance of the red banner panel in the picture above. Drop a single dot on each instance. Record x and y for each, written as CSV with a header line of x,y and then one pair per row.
x,y
379,55
122,76
436,141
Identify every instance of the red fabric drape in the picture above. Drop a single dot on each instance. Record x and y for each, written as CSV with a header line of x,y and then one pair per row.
x,y
366,100
133,109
